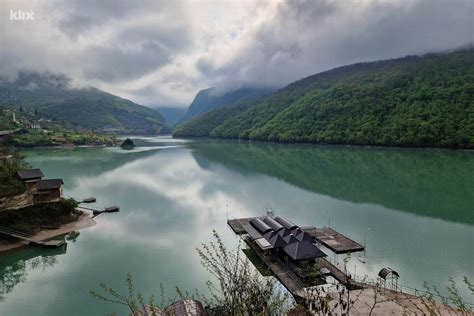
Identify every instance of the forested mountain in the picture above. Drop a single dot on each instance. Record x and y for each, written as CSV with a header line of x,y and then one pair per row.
x,y
82,108
421,101
209,99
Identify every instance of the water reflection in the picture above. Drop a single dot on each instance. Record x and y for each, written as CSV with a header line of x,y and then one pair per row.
x,y
15,265
433,183
172,198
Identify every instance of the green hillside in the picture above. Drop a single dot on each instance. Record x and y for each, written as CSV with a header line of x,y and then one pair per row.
x,y
210,99
415,101
84,109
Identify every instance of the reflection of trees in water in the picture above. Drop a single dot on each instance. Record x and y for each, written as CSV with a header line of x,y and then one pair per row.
x,y
431,183
14,267
11,276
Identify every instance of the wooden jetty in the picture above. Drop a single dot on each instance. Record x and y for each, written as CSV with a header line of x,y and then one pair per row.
x,y
281,271
327,236
334,240
292,282
96,212
236,225
22,236
285,275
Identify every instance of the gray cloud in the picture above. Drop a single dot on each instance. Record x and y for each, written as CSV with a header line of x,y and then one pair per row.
x,y
162,52
306,37
117,64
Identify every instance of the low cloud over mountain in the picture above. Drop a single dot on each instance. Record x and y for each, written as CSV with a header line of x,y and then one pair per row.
x,y
163,52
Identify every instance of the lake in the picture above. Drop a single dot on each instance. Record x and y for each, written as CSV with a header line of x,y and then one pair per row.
x,y
413,208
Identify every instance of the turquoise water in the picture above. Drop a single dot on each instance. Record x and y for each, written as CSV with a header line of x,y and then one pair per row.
x,y
413,208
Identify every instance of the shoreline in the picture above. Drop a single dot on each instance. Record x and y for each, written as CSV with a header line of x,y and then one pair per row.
x,y
309,144
84,221
65,146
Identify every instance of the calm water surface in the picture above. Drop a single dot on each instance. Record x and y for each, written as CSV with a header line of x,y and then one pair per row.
x,y
414,209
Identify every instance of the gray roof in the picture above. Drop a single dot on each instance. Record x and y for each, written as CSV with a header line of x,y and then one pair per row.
x,y
281,233
253,233
270,221
290,239
303,250
260,225
275,239
286,223
29,174
49,184
301,235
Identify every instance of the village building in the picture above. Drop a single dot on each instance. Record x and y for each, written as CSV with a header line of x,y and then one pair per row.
x,y
30,177
33,125
50,190
280,237
43,190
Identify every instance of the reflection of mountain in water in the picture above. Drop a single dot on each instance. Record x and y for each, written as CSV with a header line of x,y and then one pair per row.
x,y
80,161
14,266
431,183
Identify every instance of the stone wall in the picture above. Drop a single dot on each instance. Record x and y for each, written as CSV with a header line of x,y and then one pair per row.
x,y
17,201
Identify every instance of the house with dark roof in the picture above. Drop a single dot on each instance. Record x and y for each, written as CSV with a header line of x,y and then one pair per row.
x,y
43,190
278,236
30,177
49,190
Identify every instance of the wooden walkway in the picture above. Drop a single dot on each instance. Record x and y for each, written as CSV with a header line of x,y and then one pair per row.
x,y
339,275
236,225
22,236
327,236
292,282
281,271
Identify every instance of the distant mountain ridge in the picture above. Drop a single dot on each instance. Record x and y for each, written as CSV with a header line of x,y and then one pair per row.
x,y
172,115
80,108
416,101
209,99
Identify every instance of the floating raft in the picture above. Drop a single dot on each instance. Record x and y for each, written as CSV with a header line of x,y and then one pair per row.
x,y
334,240
327,236
236,225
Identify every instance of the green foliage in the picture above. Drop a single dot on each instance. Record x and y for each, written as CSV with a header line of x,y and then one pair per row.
x,y
52,133
242,290
413,101
81,108
30,219
134,301
9,185
209,99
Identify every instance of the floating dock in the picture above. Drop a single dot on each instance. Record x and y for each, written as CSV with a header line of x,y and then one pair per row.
x,y
327,236
334,240
292,282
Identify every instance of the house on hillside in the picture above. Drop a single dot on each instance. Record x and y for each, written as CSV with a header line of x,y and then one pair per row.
x,y
30,177
33,125
49,190
43,190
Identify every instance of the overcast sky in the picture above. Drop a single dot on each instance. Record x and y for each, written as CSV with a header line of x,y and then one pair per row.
x,y
162,52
